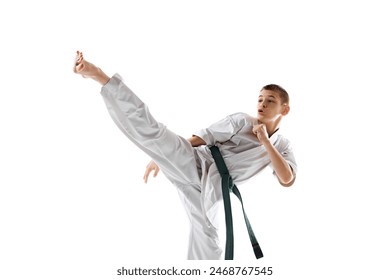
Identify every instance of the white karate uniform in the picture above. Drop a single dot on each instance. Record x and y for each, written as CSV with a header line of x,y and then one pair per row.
x,y
192,170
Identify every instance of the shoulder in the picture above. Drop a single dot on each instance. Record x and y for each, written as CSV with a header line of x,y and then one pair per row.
x,y
242,118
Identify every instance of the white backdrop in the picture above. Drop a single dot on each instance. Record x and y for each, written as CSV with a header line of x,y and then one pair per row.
x,y
72,201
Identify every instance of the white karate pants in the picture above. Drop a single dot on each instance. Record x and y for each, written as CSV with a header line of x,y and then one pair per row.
x,y
173,154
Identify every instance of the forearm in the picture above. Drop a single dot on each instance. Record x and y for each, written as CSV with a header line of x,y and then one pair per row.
x,y
281,167
101,77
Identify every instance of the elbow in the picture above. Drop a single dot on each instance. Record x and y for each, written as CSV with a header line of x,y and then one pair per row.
x,y
288,178
196,141
288,183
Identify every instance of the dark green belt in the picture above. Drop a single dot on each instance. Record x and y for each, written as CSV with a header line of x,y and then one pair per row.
x,y
227,187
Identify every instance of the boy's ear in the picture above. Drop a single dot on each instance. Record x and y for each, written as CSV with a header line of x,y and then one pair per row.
x,y
286,109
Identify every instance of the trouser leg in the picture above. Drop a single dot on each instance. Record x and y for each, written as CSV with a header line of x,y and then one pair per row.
x,y
173,154
203,239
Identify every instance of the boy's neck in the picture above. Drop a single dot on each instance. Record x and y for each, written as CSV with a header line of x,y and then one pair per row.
x,y
272,127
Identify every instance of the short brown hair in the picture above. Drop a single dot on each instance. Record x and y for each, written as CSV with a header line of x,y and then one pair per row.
x,y
280,91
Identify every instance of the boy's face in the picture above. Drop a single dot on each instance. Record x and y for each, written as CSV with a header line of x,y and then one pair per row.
x,y
270,107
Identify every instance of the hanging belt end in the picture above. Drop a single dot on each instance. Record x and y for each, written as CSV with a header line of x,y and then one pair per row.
x,y
257,250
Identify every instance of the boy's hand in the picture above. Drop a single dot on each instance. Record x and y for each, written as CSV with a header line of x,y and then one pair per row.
x,y
149,168
261,132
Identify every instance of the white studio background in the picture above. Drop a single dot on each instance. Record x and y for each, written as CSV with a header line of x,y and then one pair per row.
x,y
72,201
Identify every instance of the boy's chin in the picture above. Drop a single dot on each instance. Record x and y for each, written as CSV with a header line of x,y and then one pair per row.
x,y
260,117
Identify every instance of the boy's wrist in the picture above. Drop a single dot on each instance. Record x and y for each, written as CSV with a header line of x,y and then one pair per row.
x,y
265,141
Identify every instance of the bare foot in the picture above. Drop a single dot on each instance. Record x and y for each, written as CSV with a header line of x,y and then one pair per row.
x,y
89,70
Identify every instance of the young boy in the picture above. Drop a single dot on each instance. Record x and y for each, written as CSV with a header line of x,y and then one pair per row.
x,y
247,145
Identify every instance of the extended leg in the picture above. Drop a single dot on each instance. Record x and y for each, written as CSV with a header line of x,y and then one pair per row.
x,y
173,154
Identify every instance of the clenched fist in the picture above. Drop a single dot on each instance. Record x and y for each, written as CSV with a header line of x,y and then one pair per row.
x,y
260,131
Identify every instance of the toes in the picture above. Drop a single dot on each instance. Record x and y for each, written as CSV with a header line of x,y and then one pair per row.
x,y
79,58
